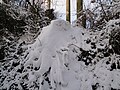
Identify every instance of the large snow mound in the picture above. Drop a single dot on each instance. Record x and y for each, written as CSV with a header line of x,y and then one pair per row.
x,y
54,57
50,51
65,58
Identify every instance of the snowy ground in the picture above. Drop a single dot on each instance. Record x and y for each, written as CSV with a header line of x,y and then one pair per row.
x,y
56,50
64,58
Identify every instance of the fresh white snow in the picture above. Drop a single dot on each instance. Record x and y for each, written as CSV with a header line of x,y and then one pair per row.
x,y
51,48
53,54
52,61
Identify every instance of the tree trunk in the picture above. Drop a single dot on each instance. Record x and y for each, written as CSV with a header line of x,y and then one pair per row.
x,y
79,9
68,10
49,4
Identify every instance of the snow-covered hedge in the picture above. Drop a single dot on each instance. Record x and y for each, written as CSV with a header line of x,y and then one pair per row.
x,y
64,58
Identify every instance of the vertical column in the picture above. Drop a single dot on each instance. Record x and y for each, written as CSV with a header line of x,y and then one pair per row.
x,y
79,7
49,4
68,10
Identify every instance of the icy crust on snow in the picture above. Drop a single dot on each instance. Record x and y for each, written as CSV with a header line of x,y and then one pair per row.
x,y
56,66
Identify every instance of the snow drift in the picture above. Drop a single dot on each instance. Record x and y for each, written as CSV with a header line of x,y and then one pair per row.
x,y
54,57
49,54
64,58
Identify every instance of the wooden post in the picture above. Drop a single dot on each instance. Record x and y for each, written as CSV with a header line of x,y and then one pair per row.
x,y
68,10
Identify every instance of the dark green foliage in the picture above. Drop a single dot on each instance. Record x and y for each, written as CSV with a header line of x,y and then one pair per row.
x,y
12,24
2,54
94,87
115,41
86,56
50,14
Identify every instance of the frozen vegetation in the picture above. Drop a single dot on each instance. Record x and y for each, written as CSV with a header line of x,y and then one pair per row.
x,y
38,53
64,57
